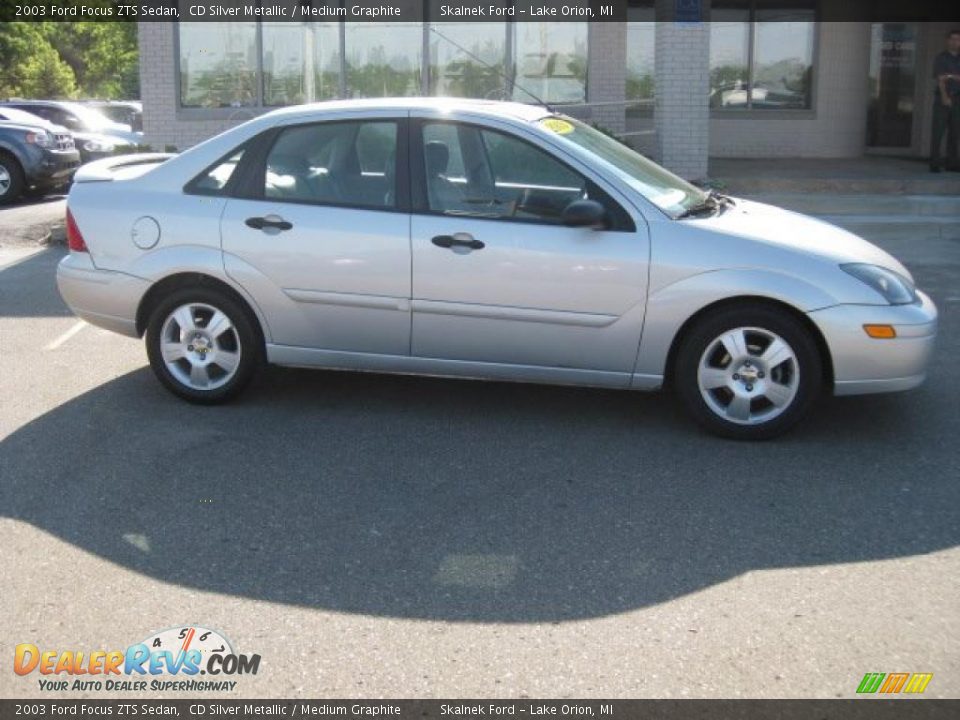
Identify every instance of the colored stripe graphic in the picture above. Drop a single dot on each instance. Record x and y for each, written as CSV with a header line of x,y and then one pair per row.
x,y
870,682
894,682
918,682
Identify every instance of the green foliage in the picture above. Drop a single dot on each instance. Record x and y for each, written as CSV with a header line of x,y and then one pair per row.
x,y
69,60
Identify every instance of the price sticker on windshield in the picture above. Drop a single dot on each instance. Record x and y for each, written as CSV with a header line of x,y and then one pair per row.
x,y
557,125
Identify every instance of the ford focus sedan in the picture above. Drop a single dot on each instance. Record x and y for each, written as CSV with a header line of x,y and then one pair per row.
x,y
484,240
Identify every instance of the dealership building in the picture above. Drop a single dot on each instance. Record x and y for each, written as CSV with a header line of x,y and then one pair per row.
x,y
681,80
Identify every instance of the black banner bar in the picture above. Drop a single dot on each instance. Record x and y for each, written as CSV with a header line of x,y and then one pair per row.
x,y
460,11
854,709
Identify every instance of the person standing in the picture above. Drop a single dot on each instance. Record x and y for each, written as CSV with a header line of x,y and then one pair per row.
x,y
946,104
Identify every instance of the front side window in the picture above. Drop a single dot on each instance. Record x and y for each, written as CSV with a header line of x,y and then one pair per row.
x,y
482,173
335,163
761,55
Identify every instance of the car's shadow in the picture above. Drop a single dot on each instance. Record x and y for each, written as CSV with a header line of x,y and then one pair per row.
x,y
458,500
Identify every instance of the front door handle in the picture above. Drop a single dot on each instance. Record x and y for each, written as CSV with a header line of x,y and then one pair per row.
x,y
464,240
272,222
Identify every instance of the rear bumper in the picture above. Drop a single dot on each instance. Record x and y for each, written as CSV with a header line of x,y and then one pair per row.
x,y
103,298
864,365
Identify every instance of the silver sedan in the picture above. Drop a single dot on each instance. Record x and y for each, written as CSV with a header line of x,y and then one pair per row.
x,y
485,240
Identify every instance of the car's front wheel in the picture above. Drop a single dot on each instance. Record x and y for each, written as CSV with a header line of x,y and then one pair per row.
x,y
748,373
203,345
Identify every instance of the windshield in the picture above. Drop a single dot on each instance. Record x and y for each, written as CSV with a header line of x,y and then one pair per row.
x,y
668,192
91,119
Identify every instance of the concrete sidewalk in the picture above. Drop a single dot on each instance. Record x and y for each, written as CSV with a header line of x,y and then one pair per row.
x,y
864,175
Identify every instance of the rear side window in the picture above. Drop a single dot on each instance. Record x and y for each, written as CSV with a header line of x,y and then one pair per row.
x,y
335,163
213,181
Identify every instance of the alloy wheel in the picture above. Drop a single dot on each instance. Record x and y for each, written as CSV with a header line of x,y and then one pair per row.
x,y
200,346
748,375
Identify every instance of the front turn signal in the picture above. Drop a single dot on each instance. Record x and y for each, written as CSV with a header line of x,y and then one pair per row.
x,y
880,332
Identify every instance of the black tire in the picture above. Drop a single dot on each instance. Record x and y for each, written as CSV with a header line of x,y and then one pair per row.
x,y
11,168
703,335
248,339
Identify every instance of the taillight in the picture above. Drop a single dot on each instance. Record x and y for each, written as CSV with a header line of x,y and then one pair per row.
x,y
74,239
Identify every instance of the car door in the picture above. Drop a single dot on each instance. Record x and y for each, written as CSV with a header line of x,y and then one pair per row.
x,y
498,277
320,235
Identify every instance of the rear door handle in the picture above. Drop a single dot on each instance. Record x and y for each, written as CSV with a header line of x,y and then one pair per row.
x,y
272,222
464,240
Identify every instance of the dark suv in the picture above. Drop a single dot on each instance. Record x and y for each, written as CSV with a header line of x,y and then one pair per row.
x,y
34,157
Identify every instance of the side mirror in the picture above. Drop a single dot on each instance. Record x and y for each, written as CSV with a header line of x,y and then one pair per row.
x,y
585,213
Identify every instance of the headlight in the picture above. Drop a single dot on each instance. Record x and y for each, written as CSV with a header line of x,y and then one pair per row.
x,y
40,138
97,146
895,288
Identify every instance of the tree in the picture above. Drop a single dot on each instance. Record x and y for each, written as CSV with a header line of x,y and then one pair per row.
x,y
69,59
30,66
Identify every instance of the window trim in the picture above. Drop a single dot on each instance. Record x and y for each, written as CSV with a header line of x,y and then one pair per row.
x,y
251,187
620,218
752,113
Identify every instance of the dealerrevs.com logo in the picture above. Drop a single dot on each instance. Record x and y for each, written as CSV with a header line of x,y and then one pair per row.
x,y
168,660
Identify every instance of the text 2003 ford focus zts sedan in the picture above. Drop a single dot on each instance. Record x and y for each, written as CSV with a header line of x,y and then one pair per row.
x,y
481,239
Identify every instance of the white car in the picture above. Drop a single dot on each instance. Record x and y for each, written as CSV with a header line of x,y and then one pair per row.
x,y
486,240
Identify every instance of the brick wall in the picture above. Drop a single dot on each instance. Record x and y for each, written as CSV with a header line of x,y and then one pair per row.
x,y
681,110
607,74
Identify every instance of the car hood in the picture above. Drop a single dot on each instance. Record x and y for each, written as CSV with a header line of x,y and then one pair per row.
x,y
774,226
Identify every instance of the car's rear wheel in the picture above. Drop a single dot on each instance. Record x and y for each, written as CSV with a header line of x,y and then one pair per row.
x,y
748,373
11,179
203,345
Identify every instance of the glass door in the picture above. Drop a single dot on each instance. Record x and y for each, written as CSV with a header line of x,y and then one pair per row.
x,y
893,85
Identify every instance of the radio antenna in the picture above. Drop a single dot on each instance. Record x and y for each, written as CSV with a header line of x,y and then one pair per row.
x,y
510,81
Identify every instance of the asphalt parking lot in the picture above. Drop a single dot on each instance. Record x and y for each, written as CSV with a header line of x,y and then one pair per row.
x,y
374,536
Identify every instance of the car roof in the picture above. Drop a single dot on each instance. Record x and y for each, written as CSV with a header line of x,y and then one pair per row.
x,y
490,108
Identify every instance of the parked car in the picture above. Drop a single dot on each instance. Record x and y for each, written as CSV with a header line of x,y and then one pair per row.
x,y
97,136
126,112
486,240
34,157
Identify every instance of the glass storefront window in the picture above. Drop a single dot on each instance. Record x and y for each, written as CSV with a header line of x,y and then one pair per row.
x,y
641,43
761,55
468,60
782,59
218,64
301,62
551,62
383,59
729,58
271,64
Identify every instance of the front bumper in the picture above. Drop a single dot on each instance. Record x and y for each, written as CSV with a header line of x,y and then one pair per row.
x,y
50,167
103,298
862,364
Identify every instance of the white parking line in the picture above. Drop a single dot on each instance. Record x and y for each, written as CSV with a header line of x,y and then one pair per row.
x,y
67,335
